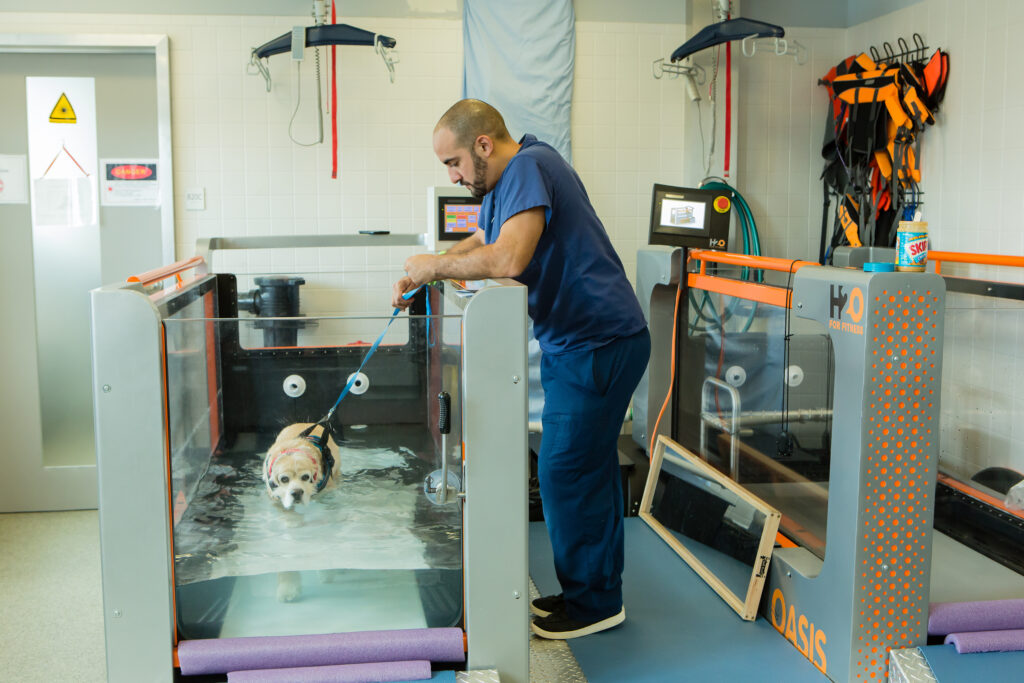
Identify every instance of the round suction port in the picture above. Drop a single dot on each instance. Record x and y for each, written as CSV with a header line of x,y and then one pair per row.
x,y
360,385
736,376
294,386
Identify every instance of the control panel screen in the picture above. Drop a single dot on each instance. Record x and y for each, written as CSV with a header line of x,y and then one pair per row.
x,y
457,217
679,213
690,217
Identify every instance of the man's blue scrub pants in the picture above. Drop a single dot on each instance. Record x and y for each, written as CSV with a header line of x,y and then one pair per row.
x,y
586,394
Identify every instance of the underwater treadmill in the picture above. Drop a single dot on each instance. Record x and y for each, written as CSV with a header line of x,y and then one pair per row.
x,y
192,383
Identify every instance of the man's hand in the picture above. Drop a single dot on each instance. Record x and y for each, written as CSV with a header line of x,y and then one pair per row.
x,y
404,285
421,268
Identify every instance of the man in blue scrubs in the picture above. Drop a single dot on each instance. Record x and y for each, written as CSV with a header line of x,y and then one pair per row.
x,y
538,227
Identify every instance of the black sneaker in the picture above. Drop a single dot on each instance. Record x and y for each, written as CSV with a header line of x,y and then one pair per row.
x,y
559,626
543,607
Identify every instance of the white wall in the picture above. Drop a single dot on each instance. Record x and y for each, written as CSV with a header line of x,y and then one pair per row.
x,y
627,127
972,169
231,137
781,113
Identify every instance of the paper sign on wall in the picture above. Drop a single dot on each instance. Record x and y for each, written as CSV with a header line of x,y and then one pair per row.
x,y
13,179
62,158
129,182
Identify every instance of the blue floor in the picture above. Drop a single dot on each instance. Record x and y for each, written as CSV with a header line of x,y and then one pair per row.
x,y
438,677
991,667
676,627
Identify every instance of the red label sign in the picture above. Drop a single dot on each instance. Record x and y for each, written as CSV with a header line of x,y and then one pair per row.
x,y
131,172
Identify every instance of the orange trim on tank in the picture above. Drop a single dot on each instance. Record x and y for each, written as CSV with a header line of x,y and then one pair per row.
x,y
354,345
940,257
174,654
747,260
751,291
164,272
170,492
784,541
979,495
211,370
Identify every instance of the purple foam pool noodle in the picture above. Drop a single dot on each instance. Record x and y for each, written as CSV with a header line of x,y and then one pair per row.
x,y
380,672
987,641
987,615
221,655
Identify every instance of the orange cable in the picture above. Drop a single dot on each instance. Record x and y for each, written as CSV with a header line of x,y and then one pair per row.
x,y
672,373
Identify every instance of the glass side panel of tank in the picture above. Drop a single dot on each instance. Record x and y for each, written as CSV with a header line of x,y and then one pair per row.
x,y
313,282
755,402
265,541
982,377
980,494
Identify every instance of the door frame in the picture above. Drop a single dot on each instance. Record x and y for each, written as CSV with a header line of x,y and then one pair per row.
x,y
29,484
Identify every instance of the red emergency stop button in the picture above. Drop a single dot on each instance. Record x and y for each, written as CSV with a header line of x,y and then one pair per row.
x,y
722,204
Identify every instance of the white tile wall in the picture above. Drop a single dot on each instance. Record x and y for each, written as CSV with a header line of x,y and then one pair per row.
x,y
972,169
231,137
780,117
627,127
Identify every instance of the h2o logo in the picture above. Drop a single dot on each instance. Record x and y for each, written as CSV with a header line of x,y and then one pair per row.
x,y
715,243
849,305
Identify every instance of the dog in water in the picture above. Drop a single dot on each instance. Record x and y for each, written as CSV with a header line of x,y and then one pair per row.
x,y
296,468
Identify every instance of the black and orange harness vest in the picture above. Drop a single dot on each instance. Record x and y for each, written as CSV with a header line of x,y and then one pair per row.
x,y
877,112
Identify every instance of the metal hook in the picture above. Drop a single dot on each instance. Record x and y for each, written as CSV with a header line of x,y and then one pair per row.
x,y
262,70
748,42
890,56
389,55
875,57
904,49
658,68
780,47
921,47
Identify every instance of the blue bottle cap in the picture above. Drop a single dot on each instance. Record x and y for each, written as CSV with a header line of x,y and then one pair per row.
x,y
879,267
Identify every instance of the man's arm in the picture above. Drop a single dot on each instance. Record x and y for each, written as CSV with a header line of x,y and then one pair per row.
x,y
508,256
469,244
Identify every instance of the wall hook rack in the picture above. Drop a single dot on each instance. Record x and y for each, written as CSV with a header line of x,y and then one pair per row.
x,y
906,54
659,69
323,35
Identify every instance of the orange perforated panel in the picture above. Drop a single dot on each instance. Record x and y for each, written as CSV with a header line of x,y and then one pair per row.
x,y
902,423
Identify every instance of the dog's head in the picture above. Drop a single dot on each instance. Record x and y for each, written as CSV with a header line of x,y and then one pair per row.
x,y
292,470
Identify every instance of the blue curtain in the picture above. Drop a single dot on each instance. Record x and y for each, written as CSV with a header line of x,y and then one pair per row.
x,y
519,58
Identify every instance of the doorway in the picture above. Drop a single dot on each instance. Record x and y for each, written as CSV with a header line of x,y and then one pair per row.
x,y
46,415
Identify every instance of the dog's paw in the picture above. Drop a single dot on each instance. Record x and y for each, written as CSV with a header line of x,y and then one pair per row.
x,y
289,586
329,575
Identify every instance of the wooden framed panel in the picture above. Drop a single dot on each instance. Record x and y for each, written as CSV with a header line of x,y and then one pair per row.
x,y
722,531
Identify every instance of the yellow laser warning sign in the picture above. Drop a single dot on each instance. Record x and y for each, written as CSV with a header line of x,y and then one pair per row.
x,y
62,111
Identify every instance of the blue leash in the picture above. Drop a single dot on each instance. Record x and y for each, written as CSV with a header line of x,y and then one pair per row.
x,y
373,349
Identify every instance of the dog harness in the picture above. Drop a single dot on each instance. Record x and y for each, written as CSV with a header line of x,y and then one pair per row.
x,y
877,113
326,457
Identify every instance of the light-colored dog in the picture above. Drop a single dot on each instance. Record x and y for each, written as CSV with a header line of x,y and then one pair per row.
x,y
294,470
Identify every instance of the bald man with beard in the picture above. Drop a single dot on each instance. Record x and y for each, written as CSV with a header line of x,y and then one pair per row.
x,y
537,226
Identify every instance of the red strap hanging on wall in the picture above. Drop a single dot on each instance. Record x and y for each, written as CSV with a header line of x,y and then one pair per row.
x,y
728,107
334,101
